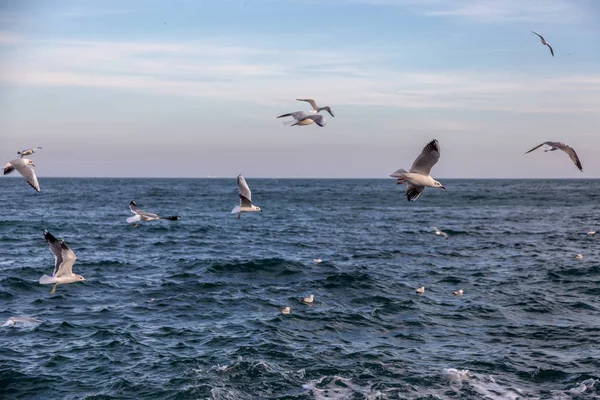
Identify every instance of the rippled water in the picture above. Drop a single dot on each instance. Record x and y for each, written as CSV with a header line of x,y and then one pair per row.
x,y
190,309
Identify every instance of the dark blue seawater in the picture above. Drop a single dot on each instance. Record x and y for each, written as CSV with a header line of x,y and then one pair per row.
x,y
190,309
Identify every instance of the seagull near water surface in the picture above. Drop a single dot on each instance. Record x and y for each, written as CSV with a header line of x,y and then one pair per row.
x,y
245,198
24,166
552,146
309,117
64,258
145,216
544,42
418,178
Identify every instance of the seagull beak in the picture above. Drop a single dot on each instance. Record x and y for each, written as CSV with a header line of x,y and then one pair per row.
x,y
443,187
33,164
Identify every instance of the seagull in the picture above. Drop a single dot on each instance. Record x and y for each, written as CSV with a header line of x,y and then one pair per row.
x,y
64,259
420,290
317,260
286,310
591,233
418,178
579,256
309,299
145,216
28,152
309,117
245,198
23,165
552,146
439,233
544,42
459,292
13,321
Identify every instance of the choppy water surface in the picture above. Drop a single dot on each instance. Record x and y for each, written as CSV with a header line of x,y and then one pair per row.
x,y
190,309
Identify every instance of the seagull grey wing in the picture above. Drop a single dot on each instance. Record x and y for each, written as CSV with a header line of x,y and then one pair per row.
x,y
311,101
538,146
427,159
8,168
245,193
298,115
68,259
55,248
572,154
147,214
444,234
29,175
551,51
535,33
414,192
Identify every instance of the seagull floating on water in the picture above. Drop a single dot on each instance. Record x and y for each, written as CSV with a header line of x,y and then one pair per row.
x,y
419,176
420,290
544,42
24,166
439,233
245,198
317,260
145,216
309,117
591,233
64,258
286,310
459,292
579,256
28,152
13,321
309,299
552,146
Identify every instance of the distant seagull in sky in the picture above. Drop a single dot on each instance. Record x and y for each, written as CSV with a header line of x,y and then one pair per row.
x,y
551,146
145,216
439,233
591,233
459,292
544,42
309,299
420,290
308,117
418,178
245,198
286,310
28,152
64,258
316,108
13,321
24,166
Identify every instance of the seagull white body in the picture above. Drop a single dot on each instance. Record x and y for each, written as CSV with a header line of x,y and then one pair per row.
x,y
420,290
544,42
13,321
591,233
418,178
286,310
317,260
145,216
459,292
439,233
245,198
309,299
64,258
24,166
309,117
28,152
552,146
579,256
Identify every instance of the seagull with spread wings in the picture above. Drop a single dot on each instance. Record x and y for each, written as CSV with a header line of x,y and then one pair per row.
x,y
552,146
23,165
245,198
418,178
28,152
64,258
439,233
145,216
308,117
544,42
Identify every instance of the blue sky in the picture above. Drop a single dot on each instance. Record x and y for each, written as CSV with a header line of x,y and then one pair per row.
x,y
192,88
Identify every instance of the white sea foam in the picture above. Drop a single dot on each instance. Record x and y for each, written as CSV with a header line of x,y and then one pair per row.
x,y
338,388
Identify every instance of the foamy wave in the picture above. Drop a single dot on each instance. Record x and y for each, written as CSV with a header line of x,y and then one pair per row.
x,y
338,388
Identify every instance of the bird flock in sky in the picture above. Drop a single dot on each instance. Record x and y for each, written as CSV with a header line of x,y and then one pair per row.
x,y
417,179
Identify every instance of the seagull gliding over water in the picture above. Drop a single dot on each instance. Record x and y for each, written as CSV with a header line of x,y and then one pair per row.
x,y
245,198
64,258
552,146
23,165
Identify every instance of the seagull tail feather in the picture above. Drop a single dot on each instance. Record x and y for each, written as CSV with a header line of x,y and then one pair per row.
x,y
236,210
47,280
399,173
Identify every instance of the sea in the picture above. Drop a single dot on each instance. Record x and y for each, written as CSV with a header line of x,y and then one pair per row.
x,y
190,309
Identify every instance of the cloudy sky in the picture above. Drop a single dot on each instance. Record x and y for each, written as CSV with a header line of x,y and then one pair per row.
x,y
192,88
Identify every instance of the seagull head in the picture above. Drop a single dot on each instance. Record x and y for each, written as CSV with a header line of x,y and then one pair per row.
x,y
79,277
439,185
132,203
29,162
258,208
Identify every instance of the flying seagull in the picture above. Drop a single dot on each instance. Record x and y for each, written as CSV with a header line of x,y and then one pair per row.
x,y
439,233
418,178
145,216
551,146
245,198
23,165
64,258
28,152
544,42
309,117
316,108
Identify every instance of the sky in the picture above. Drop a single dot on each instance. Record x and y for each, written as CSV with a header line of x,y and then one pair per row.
x,y
148,88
